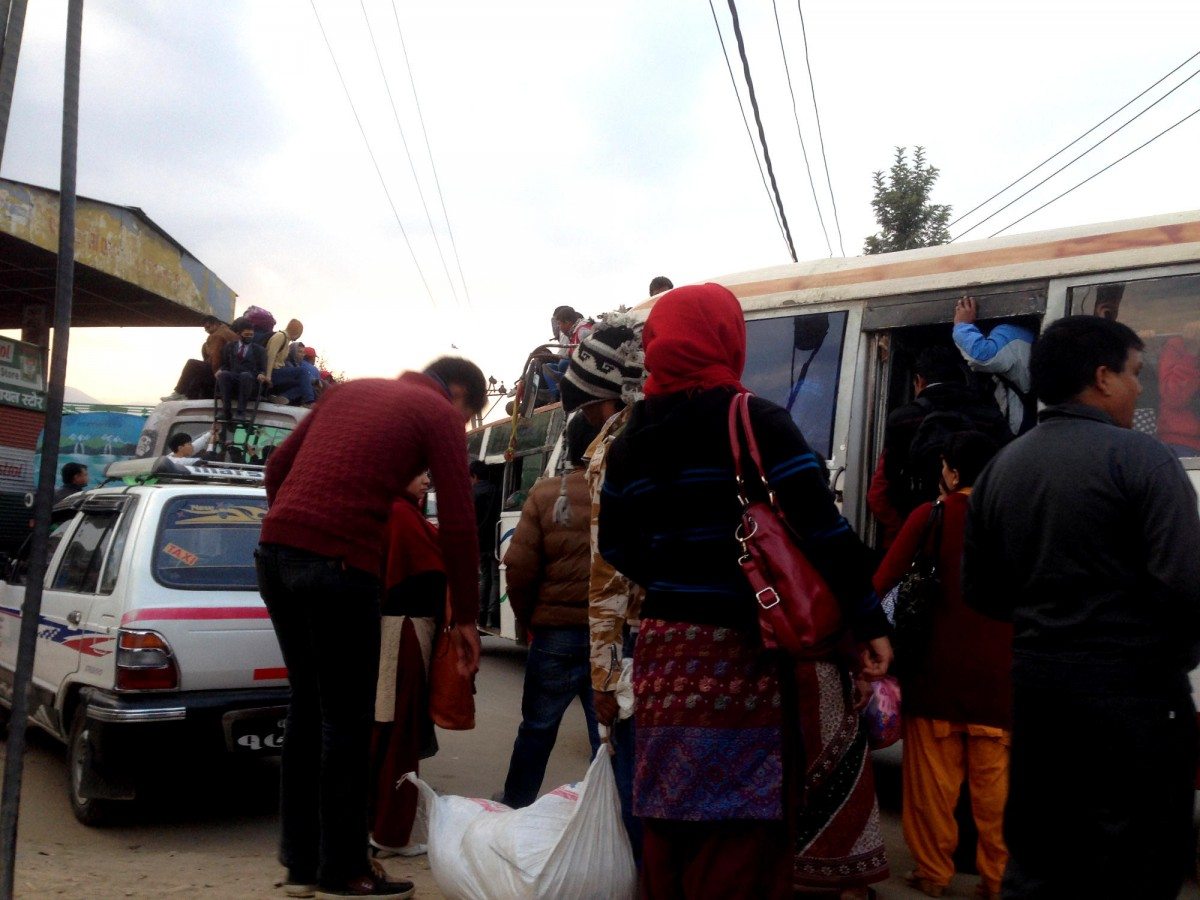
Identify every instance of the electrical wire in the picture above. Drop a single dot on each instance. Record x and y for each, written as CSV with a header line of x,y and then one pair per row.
x,y
820,134
371,153
408,154
1075,159
799,132
762,134
746,121
1101,172
1076,141
429,151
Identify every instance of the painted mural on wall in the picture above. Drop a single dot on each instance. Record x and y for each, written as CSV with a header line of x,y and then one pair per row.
x,y
95,439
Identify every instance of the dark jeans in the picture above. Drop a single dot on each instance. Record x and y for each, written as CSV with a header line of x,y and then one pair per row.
x,y
623,759
326,617
1100,793
489,590
552,374
196,381
557,671
294,383
245,384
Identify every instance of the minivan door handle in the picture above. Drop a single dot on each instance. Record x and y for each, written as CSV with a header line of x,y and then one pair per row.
x,y
75,617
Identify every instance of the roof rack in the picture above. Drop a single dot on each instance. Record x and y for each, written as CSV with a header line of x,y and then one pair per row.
x,y
165,468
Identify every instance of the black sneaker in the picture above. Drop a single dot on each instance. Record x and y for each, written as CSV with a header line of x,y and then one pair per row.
x,y
369,886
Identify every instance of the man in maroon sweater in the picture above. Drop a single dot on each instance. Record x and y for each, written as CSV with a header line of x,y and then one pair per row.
x,y
330,487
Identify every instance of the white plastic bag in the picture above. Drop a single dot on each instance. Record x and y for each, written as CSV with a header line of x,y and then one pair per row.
x,y
570,844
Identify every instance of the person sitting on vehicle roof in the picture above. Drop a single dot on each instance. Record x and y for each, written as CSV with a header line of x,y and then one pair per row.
x,y
243,368
660,284
198,379
308,362
1002,353
570,327
288,381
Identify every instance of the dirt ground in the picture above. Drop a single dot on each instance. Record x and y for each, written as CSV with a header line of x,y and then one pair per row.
x,y
213,831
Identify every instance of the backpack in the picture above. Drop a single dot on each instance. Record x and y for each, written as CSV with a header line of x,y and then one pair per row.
x,y
928,443
1029,406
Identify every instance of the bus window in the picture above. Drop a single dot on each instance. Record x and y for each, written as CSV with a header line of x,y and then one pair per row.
x,y
795,362
532,434
524,471
475,442
1165,312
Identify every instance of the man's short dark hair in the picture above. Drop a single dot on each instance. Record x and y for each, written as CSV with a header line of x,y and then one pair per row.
x,y
70,470
659,284
968,453
210,320
454,370
566,314
240,325
478,469
938,364
1068,353
177,441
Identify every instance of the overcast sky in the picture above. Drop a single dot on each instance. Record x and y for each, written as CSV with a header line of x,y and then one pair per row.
x,y
582,148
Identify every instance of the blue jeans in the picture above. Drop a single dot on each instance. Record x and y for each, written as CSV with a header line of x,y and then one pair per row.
x,y
552,374
294,383
332,660
557,671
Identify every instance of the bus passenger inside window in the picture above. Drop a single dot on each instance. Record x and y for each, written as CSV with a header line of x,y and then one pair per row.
x,y
1163,311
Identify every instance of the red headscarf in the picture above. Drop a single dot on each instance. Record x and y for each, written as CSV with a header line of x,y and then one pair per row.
x,y
695,339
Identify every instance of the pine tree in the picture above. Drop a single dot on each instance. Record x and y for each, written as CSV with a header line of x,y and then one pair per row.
x,y
906,217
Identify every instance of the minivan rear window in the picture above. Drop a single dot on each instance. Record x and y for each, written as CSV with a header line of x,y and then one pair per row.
x,y
207,542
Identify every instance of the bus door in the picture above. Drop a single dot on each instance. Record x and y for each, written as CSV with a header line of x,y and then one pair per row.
x,y
896,330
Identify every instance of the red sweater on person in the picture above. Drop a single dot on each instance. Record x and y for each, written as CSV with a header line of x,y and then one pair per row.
x,y
332,483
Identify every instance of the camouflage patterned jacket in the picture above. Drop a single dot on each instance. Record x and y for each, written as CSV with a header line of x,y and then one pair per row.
x,y
613,600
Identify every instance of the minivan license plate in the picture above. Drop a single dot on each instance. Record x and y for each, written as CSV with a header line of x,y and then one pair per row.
x,y
255,730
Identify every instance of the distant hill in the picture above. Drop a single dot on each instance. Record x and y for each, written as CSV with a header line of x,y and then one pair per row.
x,y
74,395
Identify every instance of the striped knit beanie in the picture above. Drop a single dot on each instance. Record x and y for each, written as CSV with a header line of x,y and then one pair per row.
x,y
607,365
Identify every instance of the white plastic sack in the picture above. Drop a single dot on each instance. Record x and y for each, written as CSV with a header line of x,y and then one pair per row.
x,y
570,844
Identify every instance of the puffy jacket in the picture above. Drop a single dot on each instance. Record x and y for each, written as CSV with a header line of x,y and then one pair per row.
x,y
549,565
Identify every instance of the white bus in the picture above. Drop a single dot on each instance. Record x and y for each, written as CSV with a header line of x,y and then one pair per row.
x,y
834,340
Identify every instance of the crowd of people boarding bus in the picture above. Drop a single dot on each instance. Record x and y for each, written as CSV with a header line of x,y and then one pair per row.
x,y
1047,669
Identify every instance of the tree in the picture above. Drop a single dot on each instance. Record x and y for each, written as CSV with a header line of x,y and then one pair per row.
x,y
906,217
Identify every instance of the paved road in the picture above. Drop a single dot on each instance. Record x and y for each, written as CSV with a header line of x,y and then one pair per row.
x,y
212,831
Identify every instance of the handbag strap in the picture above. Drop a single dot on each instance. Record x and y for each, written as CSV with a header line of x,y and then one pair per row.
x,y
931,534
739,425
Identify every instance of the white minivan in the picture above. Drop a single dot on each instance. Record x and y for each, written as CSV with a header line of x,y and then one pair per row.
x,y
152,634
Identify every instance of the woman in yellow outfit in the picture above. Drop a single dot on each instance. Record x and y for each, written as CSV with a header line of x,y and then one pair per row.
x,y
957,697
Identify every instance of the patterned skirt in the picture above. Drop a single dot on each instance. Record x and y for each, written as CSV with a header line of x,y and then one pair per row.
x,y
838,840
720,736
709,725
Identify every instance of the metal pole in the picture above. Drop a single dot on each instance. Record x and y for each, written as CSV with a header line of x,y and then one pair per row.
x,y
10,801
8,62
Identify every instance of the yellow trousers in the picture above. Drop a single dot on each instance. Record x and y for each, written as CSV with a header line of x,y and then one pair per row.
x,y
937,756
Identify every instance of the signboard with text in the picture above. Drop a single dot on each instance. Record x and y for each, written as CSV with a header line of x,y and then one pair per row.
x,y
22,375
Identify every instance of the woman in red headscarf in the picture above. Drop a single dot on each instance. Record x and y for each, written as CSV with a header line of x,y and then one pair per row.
x,y
752,776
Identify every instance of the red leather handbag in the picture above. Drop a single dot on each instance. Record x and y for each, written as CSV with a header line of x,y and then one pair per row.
x,y
451,696
797,611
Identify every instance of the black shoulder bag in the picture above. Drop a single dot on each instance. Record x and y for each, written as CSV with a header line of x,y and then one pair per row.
x,y
919,593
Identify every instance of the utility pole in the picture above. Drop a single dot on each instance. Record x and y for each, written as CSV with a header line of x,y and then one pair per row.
x,y
12,17
10,800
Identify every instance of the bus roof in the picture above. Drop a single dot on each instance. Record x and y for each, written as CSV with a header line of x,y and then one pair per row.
x,y
1128,244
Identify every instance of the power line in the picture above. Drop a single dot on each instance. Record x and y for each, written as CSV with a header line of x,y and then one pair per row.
x,y
404,141
429,151
745,121
371,153
820,134
1067,146
762,134
1076,159
799,132
1101,172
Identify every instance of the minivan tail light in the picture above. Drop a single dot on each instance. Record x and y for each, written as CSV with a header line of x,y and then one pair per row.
x,y
145,662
